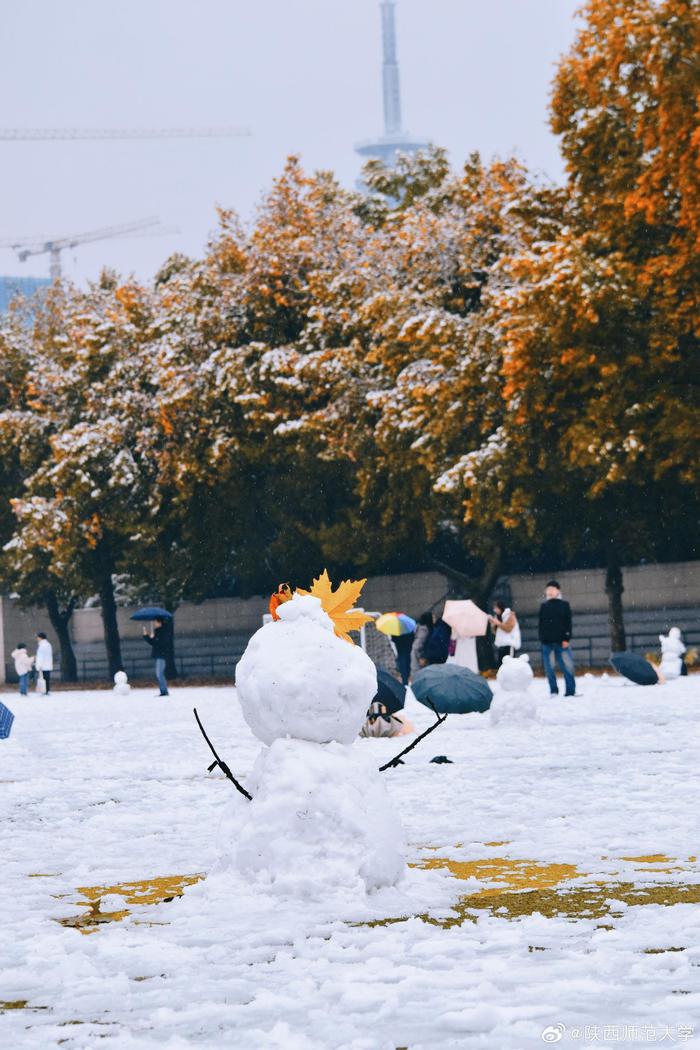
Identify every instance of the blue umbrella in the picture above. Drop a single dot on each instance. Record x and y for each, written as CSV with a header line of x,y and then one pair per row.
x,y
635,668
6,720
452,689
152,612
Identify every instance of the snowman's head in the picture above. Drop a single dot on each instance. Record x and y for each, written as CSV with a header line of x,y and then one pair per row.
x,y
298,679
515,673
671,642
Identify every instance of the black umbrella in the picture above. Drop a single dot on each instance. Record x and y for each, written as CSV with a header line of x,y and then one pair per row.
x,y
151,612
452,689
390,691
634,667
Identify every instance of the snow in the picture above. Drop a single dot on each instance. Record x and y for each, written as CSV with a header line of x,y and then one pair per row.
x,y
602,791
298,679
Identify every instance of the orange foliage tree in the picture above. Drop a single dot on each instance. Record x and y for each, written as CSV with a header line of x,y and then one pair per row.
x,y
600,381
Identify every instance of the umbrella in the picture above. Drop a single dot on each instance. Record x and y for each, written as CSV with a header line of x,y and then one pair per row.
x,y
465,618
452,689
395,623
390,692
152,612
634,667
6,720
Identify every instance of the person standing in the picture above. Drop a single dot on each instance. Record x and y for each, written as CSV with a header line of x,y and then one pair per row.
x,y
158,643
423,629
43,660
23,665
507,639
403,644
555,638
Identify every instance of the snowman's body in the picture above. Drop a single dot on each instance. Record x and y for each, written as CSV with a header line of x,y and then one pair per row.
x,y
672,650
512,704
320,813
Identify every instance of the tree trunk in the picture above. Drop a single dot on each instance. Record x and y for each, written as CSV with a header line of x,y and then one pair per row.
x,y
478,589
108,607
614,588
60,619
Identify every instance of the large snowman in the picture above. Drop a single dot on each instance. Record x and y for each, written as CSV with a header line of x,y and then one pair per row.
x,y
320,813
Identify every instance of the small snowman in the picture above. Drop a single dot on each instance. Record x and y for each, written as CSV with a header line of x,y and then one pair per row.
x,y
672,650
121,684
512,705
320,817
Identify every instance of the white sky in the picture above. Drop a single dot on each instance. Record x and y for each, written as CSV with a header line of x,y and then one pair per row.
x,y
304,75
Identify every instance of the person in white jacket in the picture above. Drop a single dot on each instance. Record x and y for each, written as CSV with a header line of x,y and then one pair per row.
x,y
44,659
507,639
23,665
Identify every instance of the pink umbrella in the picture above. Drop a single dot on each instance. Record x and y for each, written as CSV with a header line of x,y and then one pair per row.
x,y
466,618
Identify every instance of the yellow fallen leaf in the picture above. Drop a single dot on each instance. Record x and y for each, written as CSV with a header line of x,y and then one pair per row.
x,y
338,603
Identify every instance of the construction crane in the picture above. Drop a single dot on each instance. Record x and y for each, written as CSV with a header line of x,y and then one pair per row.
x,y
62,134
36,245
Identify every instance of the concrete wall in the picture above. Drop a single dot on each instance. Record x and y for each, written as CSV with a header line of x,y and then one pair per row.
x,y
211,636
217,616
676,584
412,592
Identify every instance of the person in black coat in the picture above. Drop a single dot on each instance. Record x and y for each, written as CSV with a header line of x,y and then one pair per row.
x,y
403,643
157,640
555,636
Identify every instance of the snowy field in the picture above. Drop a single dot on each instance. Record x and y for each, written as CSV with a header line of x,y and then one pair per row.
x,y
553,893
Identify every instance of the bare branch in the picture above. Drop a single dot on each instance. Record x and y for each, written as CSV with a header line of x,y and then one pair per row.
x,y
220,763
395,761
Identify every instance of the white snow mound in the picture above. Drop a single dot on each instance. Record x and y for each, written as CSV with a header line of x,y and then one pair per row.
x,y
320,820
298,679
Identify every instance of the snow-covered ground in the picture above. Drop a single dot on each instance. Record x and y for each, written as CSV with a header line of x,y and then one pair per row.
x,y
589,818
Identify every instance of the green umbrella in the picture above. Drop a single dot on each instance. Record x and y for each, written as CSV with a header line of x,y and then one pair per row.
x,y
452,689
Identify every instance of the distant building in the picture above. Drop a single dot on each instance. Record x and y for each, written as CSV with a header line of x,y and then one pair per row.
x,y
25,286
395,139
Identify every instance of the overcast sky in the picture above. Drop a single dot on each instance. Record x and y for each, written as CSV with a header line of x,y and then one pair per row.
x,y
304,75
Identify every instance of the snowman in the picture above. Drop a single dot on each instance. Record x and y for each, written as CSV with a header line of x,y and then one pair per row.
x,y
121,684
320,817
512,705
672,650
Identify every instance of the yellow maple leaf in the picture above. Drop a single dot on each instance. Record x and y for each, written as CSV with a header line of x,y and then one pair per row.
x,y
339,602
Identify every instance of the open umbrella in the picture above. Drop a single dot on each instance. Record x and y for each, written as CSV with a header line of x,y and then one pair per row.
x,y
452,689
6,720
151,612
635,668
390,691
395,624
466,618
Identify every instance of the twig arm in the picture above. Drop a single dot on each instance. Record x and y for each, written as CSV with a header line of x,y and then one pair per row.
x,y
394,761
220,763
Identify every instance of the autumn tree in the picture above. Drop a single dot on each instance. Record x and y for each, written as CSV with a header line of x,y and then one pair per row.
x,y
26,563
86,485
600,395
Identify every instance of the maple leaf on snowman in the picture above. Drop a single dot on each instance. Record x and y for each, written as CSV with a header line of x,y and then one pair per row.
x,y
339,604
